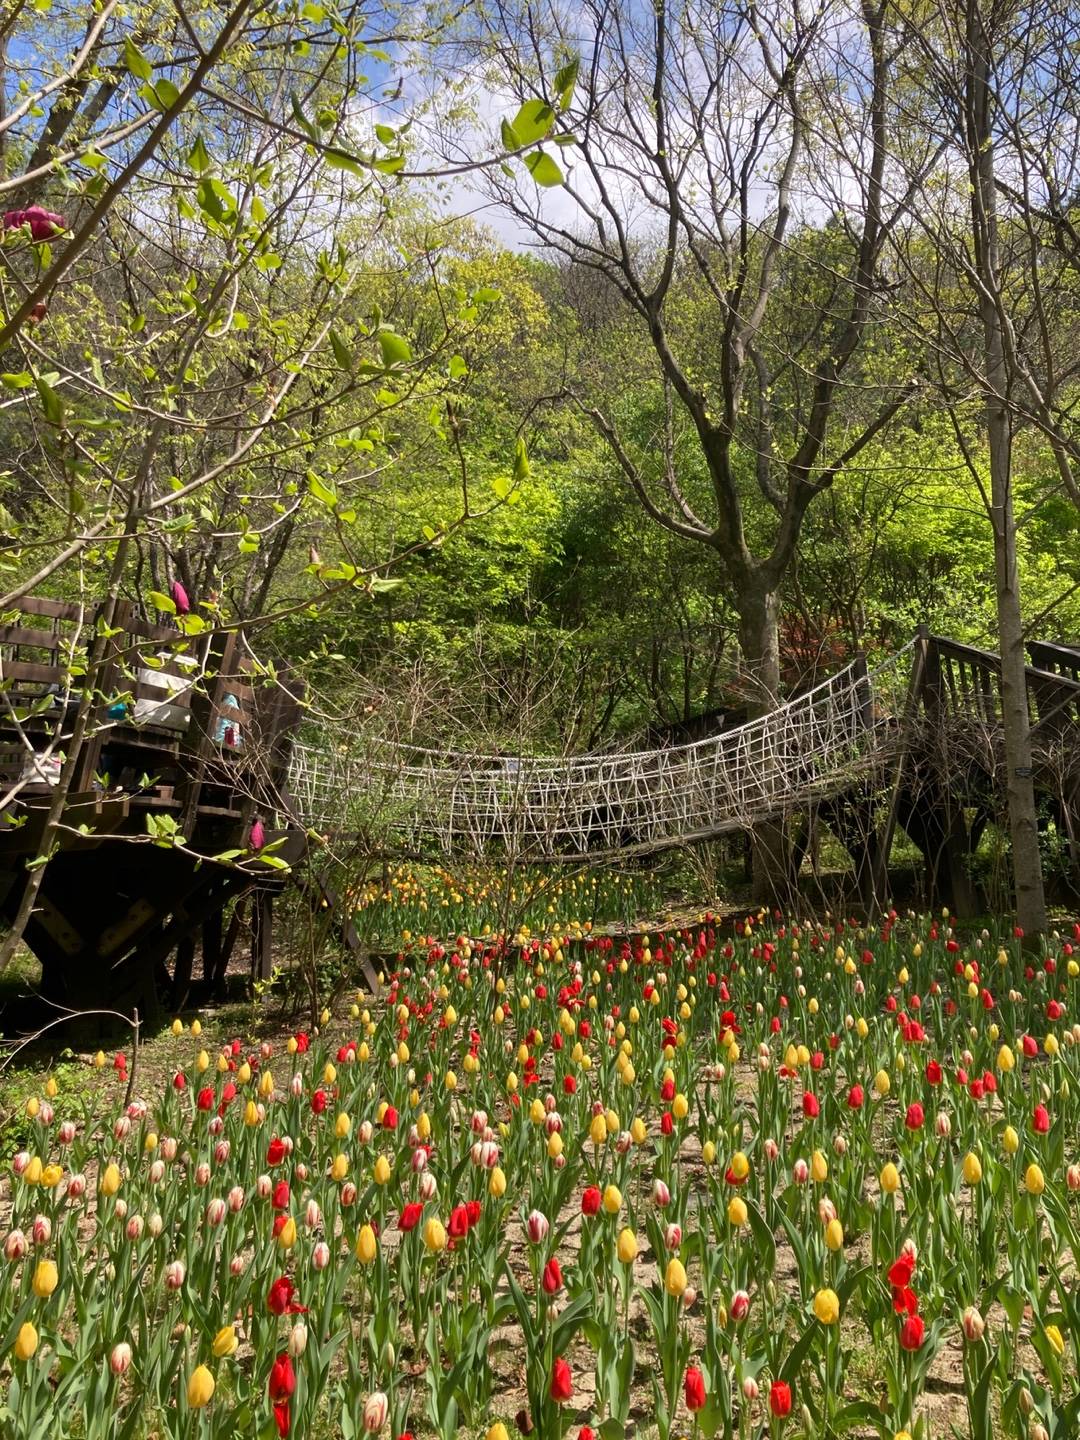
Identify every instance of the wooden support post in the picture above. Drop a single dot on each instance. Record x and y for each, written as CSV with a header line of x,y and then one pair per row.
x,y
213,935
185,958
879,870
262,934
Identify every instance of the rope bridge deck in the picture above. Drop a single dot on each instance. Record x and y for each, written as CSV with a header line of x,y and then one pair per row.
x,y
556,807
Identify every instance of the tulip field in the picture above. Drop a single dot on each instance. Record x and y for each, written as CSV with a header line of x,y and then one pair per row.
x,y
785,1179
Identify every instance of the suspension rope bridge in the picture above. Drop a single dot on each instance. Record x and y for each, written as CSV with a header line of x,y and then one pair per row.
x,y
627,801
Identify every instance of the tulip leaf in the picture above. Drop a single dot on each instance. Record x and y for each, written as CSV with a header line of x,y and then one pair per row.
x,y
789,1371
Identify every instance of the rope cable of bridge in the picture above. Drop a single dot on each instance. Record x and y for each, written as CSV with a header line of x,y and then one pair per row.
x,y
619,801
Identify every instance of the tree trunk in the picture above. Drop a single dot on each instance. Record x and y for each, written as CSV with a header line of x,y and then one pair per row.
x,y
759,641
1019,783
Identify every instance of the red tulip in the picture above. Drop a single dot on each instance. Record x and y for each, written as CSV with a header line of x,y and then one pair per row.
x,y
811,1108
552,1278
276,1151
912,1332
1040,1121
281,1196
562,1382
914,1117
780,1399
694,1389
855,1097
280,1302
281,1385
410,1216
459,1222
590,1200
933,1072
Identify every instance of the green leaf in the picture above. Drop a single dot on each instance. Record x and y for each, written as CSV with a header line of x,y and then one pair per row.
x,y
487,296
533,121
161,602
199,156
383,584
342,353
543,169
389,164
458,367
395,349
522,469
136,61
385,134
17,380
341,160
51,403
509,136
322,492
565,81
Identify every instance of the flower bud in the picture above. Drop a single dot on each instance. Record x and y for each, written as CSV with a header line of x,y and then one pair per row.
x,y
374,1414
973,1324
15,1246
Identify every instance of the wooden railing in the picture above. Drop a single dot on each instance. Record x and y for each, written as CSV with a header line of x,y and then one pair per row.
x,y
963,680
186,711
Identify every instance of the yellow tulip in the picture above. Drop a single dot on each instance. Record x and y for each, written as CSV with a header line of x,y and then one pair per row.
x,y
342,1126
638,1133
340,1168
740,1165
598,1130
225,1342
1034,1182
1006,1060
680,1107
26,1342
827,1306
675,1277
45,1279
434,1235
497,1183
882,1083
367,1247
1010,1140
1057,1343
626,1247
382,1170
736,1212
32,1174
200,1388
612,1200
834,1235
972,1168
110,1180
287,1235
889,1179
708,1153
819,1167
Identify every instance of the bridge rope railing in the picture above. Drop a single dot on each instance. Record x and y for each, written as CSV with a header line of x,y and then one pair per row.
x,y
623,801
